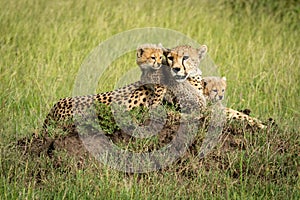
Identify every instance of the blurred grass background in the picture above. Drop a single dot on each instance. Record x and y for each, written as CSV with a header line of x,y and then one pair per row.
x,y
43,43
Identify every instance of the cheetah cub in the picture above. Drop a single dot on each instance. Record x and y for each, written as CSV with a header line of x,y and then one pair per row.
x,y
214,88
214,91
149,56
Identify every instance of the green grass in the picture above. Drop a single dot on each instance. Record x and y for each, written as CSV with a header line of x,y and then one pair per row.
x,y
254,43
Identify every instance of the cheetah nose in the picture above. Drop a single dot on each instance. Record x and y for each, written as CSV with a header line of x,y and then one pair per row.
x,y
220,97
176,69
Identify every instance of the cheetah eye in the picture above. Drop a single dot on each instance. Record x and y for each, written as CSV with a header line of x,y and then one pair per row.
x,y
170,58
215,90
185,57
160,57
222,90
152,57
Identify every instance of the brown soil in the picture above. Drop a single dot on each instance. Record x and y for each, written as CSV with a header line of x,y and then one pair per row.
x,y
232,138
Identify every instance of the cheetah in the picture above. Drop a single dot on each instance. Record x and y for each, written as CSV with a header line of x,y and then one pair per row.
x,y
218,114
214,88
184,61
213,85
149,58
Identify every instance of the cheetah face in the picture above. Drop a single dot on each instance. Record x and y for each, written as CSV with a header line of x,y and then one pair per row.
x,y
150,56
217,94
184,61
214,88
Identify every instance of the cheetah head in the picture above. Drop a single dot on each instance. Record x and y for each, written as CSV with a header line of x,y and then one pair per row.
x,y
214,88
184,61
150,56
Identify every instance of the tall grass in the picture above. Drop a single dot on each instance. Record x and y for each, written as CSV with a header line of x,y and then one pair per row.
x,y
43,43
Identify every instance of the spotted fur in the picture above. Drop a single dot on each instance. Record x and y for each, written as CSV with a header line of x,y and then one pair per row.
x,y
184,62
156,82
214,88
149,57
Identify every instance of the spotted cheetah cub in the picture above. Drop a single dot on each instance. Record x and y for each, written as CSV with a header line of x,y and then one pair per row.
x,y
214,91
214,88
149,57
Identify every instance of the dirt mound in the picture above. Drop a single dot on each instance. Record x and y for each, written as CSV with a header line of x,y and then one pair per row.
x,y
75,145
71,151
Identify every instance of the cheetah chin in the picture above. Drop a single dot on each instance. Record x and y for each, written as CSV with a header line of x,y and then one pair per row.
x,y
156,67
180,78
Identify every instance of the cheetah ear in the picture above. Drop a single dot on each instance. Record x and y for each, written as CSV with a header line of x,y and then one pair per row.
x,y
224,78
202,51
139,52
166,51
